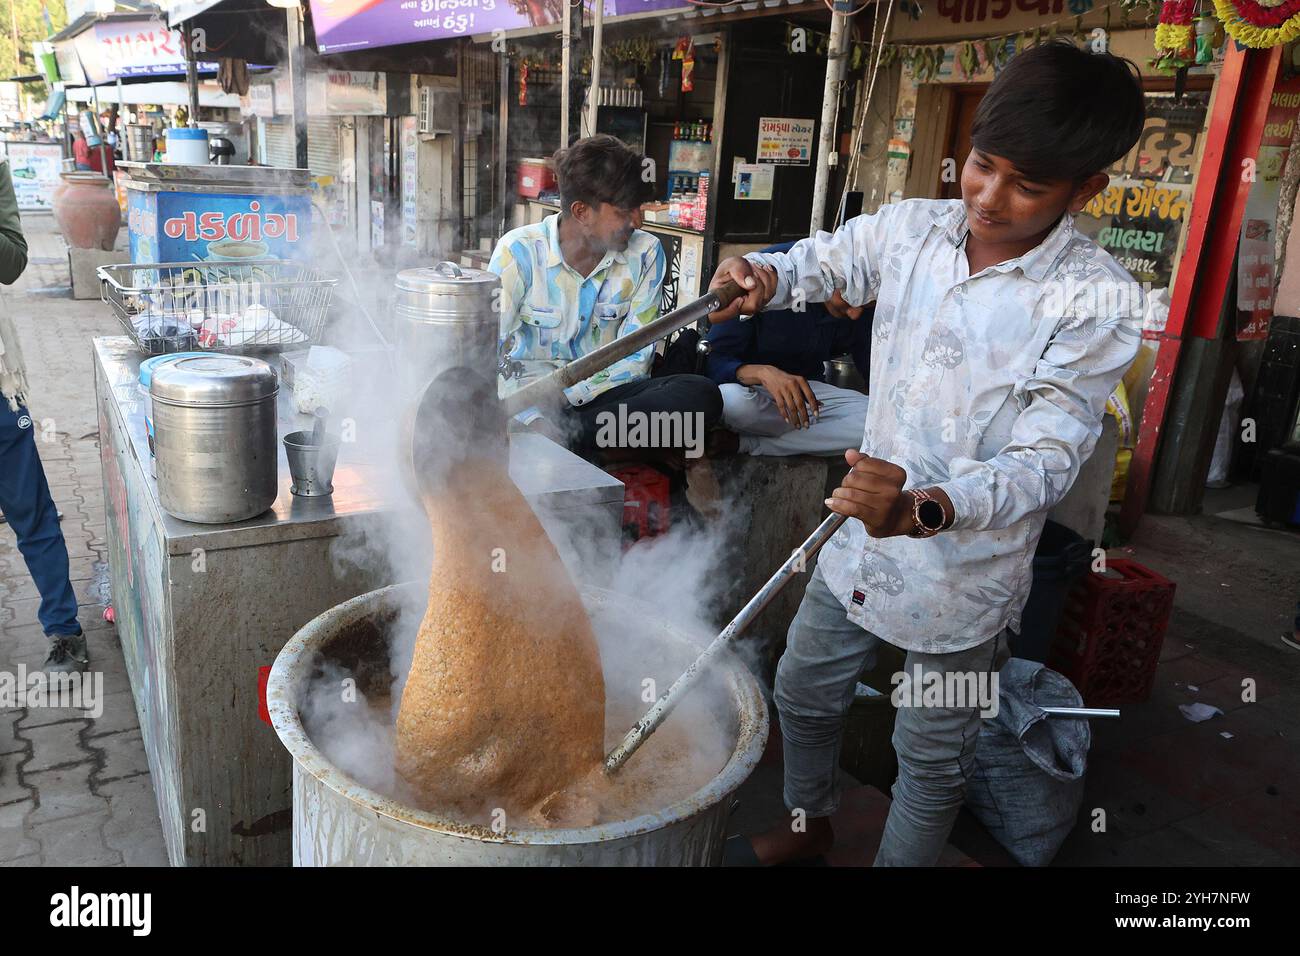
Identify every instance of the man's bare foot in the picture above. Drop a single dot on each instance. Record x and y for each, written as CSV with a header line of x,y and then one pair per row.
x,y
782,844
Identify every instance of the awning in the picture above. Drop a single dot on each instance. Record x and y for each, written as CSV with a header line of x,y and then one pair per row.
x,y
162,93
178,11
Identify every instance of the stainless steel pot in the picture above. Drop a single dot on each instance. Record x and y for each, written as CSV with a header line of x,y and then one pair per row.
x,y
843,372
339,822
446,316
215,447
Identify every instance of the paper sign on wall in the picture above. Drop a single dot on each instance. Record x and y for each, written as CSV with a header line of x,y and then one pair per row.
x,y
754,180
785,141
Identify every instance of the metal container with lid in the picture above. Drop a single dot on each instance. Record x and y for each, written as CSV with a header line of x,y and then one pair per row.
x,y
446,316
214,437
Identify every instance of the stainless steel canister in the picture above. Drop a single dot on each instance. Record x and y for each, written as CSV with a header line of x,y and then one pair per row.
x,y
446,316
214,437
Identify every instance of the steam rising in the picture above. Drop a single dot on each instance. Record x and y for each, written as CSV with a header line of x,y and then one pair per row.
x,y
679,578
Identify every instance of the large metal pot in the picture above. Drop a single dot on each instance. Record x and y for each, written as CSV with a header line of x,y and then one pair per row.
x,y
214,437
339,822
446,316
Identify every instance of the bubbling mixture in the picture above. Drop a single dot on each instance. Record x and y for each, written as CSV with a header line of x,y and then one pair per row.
x,y
505,699
683,755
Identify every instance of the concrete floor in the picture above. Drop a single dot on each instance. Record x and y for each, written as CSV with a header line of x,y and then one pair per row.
x,y
76,791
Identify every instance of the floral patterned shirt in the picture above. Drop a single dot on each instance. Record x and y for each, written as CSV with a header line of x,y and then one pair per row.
x,y
550,315
990,386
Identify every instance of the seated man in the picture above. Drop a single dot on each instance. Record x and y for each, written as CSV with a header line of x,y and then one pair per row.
x,y
771,371
581,279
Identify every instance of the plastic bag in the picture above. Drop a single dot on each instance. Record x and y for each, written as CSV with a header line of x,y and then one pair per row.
x,y
1222,457
323,380
1027,784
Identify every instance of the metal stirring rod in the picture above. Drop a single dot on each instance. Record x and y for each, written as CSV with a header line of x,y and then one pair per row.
x,y
795,564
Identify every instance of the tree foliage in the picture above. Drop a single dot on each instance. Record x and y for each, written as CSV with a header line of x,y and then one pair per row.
x,y
32,27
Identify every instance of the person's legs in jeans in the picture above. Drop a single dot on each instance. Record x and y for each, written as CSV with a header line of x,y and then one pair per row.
x,y
815,679
26,502
751,413
936,753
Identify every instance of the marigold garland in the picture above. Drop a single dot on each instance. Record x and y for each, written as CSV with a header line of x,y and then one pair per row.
x,y
1174,33
1260,25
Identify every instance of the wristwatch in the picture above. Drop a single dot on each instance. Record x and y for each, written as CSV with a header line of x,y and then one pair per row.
x,y
928,515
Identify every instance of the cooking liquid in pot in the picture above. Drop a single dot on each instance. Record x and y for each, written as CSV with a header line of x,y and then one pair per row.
x,y
505,699
505,702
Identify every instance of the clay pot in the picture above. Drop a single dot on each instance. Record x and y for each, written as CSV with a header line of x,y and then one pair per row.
x,y
86,209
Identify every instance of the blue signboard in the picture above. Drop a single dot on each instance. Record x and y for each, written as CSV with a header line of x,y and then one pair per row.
x,y
217,227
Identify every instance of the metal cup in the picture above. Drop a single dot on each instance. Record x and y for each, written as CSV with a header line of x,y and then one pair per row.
x,y
311,466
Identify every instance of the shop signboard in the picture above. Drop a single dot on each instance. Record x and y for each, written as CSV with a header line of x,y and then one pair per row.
x,y
116,49
217,227
360,24
1256,258
1139,217
355,93
785,141
410,181
260,101
34,169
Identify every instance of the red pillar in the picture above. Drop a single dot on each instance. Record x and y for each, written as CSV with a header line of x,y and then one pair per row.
x,y
1205,269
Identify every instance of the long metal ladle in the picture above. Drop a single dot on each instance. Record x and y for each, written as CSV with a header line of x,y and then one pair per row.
x,y
422,420
797,563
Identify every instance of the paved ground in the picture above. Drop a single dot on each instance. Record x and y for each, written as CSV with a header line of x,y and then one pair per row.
x,y
76,791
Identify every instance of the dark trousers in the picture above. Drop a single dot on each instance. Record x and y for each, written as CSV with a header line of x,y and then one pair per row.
x,y
681,394
27,505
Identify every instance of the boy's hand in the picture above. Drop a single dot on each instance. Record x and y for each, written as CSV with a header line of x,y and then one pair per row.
x,y
760,280
873,493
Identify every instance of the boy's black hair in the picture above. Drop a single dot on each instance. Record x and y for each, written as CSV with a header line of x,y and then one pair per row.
x,y
601,169
1059,112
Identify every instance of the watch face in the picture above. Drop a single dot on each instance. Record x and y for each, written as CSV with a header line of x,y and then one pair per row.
x,y
930,514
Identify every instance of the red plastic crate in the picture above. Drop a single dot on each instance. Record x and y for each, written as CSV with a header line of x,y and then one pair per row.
x,y
1108,642
645,502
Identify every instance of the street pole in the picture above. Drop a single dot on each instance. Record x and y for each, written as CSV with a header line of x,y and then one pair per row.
x,y
103,134
593,97
123,136
566,40
13,22
298,82
191,74
827,152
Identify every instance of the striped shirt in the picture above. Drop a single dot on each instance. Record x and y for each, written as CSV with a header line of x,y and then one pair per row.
x,y
551,315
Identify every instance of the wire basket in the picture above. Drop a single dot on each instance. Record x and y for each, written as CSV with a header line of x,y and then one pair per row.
x,y
266,304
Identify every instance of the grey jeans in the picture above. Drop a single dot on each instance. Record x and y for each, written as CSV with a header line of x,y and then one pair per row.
x,y
815,682
752,414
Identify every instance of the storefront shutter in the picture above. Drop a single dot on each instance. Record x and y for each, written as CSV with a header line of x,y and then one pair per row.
x,y
279,143
323,145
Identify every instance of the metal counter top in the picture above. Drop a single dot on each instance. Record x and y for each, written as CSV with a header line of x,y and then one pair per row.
x,y
365,481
